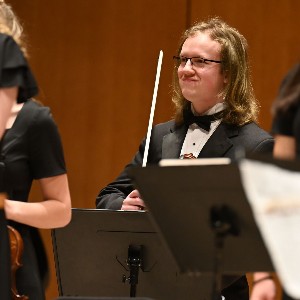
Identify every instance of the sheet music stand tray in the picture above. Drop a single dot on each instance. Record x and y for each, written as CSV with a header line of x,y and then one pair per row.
x,y
91,252
181,200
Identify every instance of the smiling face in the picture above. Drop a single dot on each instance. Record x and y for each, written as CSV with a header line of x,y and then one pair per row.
x,y
201,84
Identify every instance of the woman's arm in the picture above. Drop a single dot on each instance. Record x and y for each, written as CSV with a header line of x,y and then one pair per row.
x,y
263,287
285,147
53,212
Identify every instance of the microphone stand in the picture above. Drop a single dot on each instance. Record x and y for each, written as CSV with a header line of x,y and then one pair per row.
x,y
134,262
224,222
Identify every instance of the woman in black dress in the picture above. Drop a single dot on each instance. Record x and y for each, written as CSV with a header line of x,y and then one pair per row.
x,y
286,121
8,96
286,131
31,149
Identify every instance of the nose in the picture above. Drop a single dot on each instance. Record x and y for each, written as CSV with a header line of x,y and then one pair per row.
x,y
189,60
188,67
188,63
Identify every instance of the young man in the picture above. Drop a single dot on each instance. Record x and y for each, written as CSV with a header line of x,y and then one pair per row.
x,y
215,116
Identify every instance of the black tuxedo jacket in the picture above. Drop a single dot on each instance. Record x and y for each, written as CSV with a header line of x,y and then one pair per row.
x,y
166,142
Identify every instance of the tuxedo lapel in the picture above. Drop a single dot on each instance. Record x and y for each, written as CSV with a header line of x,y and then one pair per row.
x,y
217,146
219,143
172,142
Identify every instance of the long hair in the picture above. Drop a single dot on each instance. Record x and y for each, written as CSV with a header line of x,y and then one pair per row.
x,y
241,104
289,92
10,25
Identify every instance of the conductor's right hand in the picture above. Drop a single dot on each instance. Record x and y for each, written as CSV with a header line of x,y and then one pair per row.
x,y
133,202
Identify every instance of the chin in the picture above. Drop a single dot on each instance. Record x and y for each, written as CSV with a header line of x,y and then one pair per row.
x,y
190,97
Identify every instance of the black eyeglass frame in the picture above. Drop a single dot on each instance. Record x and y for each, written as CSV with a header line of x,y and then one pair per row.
x,y
204,60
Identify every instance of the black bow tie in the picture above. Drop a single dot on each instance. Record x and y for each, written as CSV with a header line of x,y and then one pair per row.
x,y
203,122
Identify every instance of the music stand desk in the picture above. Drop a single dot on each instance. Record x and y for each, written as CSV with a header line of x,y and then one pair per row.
x,y
180,200
91,252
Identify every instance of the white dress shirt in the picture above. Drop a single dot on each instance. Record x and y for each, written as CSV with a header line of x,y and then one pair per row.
x,y
197,137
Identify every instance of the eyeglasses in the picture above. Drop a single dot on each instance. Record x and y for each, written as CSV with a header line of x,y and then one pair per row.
x,y
195,61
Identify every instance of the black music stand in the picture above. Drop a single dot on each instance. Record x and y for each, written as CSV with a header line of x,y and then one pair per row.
x,y
204,217
91,255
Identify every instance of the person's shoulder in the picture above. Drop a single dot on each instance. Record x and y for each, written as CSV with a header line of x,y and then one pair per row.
x,y
35,105
252,126
167,124
164,128
252,138
7,41
5,37
42,114
254,129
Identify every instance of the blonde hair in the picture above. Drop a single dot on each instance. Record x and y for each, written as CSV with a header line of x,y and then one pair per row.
x,y
242,106
10,24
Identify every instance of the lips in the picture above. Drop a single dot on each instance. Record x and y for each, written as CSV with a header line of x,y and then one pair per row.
x,y
188,80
